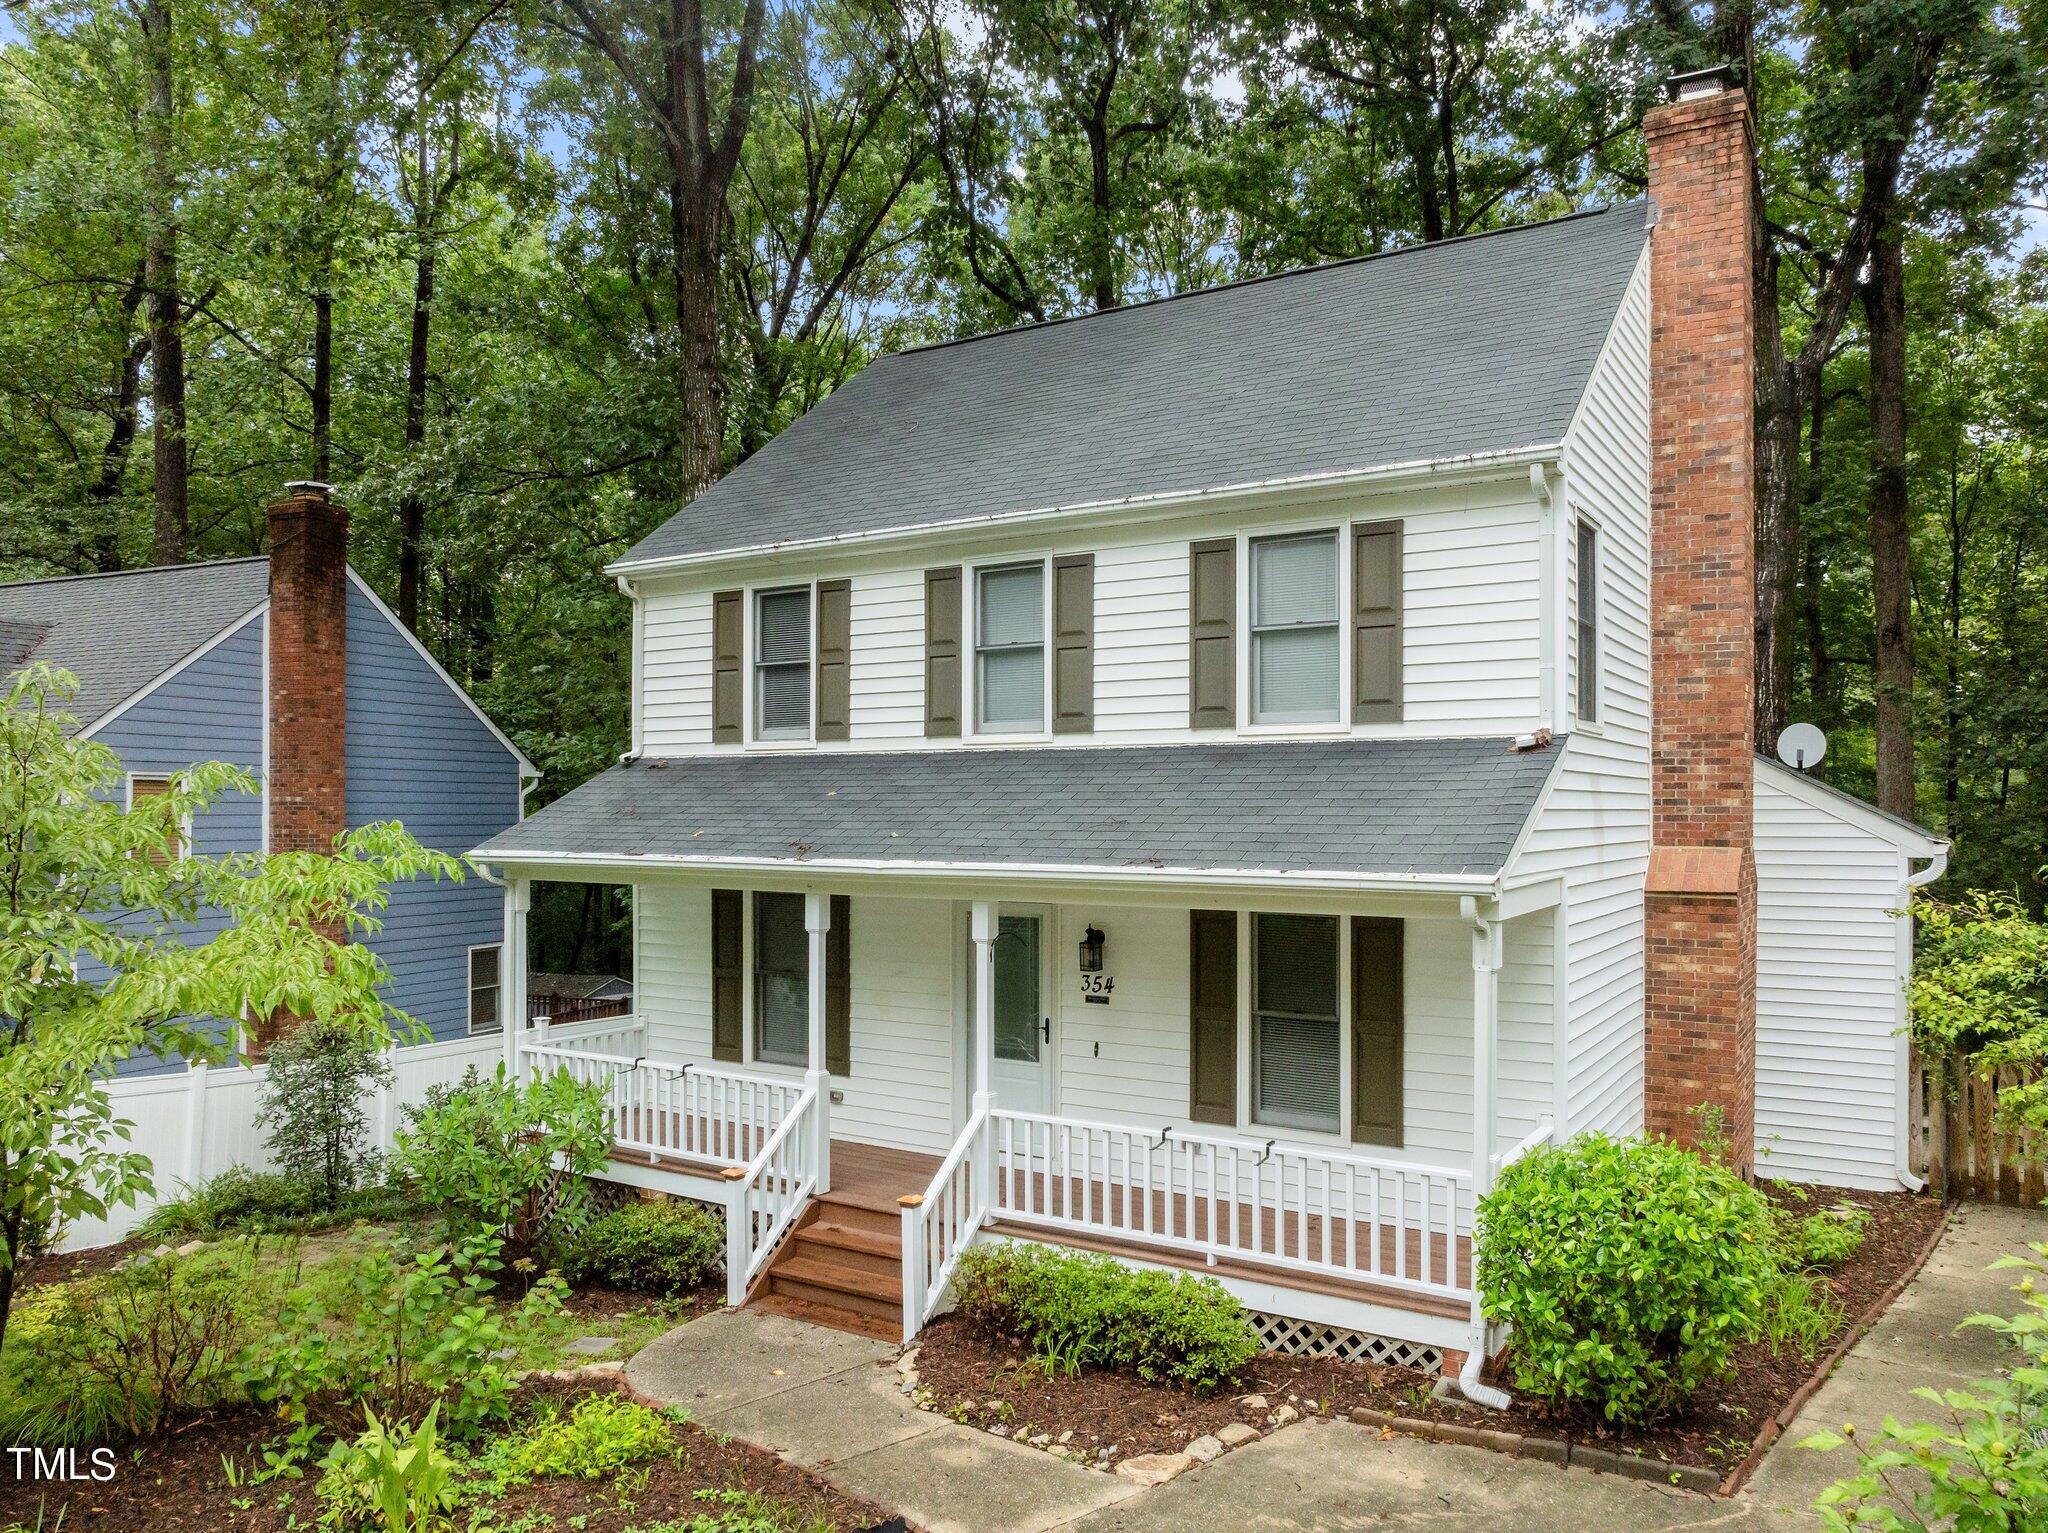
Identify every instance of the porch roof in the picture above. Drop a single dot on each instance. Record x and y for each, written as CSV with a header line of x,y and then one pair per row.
x,y
1396,809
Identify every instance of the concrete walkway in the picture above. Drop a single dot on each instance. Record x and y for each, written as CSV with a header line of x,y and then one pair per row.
x,y
830,1402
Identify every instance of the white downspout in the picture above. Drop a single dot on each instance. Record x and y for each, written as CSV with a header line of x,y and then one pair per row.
x,y
1486,964
1902,1167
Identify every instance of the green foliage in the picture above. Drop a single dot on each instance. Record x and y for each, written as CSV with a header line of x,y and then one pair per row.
x,y
665,1248
319,1081
1081,1311
601,1435
389,1481
485,1153
398,1335
1629,1270
1983,1468
738,1511
1800,1311
1980,989
121,1354
1819,1241
266,1202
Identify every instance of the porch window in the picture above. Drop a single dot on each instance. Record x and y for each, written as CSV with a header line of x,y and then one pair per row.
x,y
484,989
1009,649
782,664
1296,1042
782,1028
1295,631
1589,622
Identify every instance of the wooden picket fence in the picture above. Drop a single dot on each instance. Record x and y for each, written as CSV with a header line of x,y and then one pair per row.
x,y
1955,1145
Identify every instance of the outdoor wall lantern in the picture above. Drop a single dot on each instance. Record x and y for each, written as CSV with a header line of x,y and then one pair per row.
x,y
1091,950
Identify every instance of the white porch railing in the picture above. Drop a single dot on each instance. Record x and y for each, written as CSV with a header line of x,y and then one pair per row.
x,y
941,1222
768,1194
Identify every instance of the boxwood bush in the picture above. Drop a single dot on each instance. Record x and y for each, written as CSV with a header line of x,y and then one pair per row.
x,y
665,1248
1629,1270
1081,1311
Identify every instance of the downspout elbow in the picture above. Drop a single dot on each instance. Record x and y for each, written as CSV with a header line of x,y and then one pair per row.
x,y
1482,1395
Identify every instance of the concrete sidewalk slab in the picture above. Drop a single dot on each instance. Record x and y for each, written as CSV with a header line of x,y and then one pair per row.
x,y
956,1479
729,1357
827,1421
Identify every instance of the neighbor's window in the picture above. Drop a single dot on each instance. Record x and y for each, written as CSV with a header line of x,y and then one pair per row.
x,y
176,844
484,993
1009,649
782,664
1297,1058
1589,621
782,1026
1295,632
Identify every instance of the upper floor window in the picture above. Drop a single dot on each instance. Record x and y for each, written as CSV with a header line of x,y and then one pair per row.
x,y
1295,631
1009,649
782,979
1297,1040
782,664
1589,622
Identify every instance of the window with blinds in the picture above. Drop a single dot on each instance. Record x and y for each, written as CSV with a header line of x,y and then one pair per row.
x,y
782,1025
1009,649
782,664
1295,629
485,989
140,788
1589,621
1297,1042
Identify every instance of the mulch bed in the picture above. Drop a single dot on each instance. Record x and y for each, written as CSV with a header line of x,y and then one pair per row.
x,y
70,1266
175,1484
989,1381
597,1301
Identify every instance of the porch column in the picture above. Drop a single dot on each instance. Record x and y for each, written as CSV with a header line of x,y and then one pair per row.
x,y
818,922
512,971
1486,962
982,928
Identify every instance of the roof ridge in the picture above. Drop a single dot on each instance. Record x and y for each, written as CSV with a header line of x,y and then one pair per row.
x,y
147,569
1476,235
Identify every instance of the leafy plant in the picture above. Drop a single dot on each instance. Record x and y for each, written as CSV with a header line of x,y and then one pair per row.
x,y
506,1156
389,1482
1081,1311
739,1511
1819,1241
665,1248
1800,1311
318,1082
1983,1468
397,1336
1629,1270
601,1435
1980,988
267,1203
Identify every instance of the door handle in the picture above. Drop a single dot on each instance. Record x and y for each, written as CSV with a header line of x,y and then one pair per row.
x,y
1045,1028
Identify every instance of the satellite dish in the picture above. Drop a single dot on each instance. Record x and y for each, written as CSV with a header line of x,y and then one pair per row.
x,y
1801,746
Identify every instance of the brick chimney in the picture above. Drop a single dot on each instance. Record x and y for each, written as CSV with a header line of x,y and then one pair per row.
x,y
308,669
1700,897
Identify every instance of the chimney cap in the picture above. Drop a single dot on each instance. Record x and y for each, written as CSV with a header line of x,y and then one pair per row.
x,y
1700,82
308,489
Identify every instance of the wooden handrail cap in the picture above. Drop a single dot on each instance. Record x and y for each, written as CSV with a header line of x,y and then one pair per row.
x,y
733,1173
911,1200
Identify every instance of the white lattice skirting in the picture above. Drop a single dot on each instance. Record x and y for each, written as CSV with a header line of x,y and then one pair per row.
x,y
1307,1338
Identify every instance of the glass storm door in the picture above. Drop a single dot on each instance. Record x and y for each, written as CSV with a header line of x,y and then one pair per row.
x,y
1023,1014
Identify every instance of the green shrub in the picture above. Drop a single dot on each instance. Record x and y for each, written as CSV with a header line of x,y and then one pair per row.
x,y
1080,1311
1818,1241
739,1511
601,1435
665,1248
318,1081
1628,1270
1800,1311
396,1336
237,1199
389,1482
504,1156
120,1354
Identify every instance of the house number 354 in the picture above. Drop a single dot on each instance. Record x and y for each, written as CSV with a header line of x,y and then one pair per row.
x,y
1097,988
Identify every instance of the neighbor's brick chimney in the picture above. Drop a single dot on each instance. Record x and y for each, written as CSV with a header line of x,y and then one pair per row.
x,y
1700,898
308,669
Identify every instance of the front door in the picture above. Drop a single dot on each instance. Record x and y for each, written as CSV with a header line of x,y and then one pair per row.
x,y
1023,1012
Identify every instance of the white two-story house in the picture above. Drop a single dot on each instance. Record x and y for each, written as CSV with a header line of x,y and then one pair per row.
x,y
1182,782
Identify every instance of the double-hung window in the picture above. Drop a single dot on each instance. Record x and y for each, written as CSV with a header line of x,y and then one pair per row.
x,y
1589,622
782,664
485,988
782,980
1296,636
1297,1042
1009,649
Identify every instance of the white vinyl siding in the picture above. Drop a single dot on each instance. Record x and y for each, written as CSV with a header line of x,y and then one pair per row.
x,y
1009,649
886,668
675,673
1141,640
1296,636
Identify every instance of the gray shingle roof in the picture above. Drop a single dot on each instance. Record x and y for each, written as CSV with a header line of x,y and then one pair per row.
x,y
118,633
1439,351
1343,806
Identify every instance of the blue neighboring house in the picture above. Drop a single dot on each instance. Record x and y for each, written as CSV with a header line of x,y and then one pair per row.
x,y
174,666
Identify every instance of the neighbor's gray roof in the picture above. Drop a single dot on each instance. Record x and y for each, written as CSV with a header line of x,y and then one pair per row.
x,y
1345,806
118,633
1438,351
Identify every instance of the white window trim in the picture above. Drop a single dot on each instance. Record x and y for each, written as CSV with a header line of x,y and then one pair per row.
x,y
1248,1123
184,820
469,988
750,649
1594,723
970,671
1248,724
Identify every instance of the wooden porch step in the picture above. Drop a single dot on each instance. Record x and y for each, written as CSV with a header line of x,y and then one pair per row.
x,y
842,1266
836,1285
865,1250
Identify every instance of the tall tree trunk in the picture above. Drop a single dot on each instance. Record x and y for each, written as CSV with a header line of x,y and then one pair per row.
x,y
1891,544
412,507
1820,677
1952,681
1782,391
160,273
323,385
694,231
1101,239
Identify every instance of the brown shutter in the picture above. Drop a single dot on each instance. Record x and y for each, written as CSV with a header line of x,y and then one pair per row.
x,y
728,974
1376,1013
835,659
728,629
1212,1016
1073,644
942,654
1376,623
1212,634
839,989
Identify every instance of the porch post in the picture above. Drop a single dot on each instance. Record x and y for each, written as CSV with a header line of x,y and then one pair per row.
x,y
982,928
512,971
817,922
1486,964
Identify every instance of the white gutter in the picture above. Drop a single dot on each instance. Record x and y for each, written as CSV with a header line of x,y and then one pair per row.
x,y
1132,507
1937,864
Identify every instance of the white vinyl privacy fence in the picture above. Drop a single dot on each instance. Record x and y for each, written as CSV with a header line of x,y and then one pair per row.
x,y
197,1122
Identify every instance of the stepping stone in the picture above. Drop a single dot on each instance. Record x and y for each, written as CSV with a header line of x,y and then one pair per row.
x,y
1206,1450
1154,1468
1235,1435
590,1346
